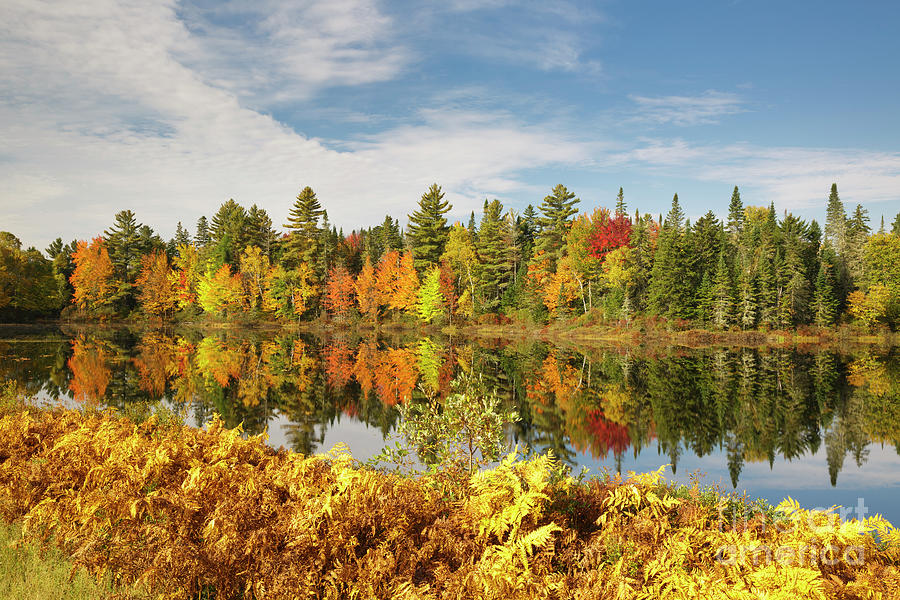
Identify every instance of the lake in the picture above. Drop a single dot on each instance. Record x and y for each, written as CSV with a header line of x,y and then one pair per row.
x,y
819,425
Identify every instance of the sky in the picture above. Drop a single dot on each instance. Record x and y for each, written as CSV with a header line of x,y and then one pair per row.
x,y
170,108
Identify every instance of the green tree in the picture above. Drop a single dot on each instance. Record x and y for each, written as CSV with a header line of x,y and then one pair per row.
x,y
496,265
260,232
735,215
228,233
123,241
825,303
431,301
428,231
857,234
201,239
302,245
557,209
722,310
836,222
669,292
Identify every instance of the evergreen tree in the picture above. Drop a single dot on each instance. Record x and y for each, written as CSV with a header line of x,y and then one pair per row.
x,y
201,239
857,234
825,303
260,232
722,313
735,215
302,244
123,241
748,309
621,207
495,266
228,234
182,237
473,229
526,229
428,230
895,226
558,209
669,292
836,222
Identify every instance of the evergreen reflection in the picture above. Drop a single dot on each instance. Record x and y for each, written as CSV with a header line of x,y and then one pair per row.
x,y
749,405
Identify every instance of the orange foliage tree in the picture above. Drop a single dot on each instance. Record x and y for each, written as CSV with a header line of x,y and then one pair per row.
x,y
339,292
186,275
92,279
406,296
156,285
90,370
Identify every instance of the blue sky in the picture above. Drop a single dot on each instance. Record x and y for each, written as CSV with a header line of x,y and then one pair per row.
x,y
170,108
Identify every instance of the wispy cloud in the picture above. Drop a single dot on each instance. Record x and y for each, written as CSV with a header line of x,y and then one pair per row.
x,y
709,107
101,111
792,177
273,51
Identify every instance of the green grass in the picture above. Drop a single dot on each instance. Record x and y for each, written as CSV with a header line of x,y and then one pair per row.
x,y
28,574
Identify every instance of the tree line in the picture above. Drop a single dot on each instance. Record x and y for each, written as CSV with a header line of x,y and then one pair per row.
x,y
755,269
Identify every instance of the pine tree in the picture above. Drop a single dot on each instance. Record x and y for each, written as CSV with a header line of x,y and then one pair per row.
x,y
494,252
735,215
836,222
302,244
857,234
182,237
526,229
201,239
749,303
621,207
825,303
260,232
558,209
669,292
123,241
228,234
722,313
895,226
428,230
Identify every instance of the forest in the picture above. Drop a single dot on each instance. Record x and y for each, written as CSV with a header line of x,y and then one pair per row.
x,y
755,270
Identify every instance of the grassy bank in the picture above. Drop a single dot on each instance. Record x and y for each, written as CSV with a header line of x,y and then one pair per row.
x,y
30,572
196,513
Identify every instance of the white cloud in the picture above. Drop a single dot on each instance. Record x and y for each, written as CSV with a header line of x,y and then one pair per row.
x,y
794,178
101,112
706,108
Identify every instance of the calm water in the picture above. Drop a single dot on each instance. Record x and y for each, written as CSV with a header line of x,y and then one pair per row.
x,y
819,426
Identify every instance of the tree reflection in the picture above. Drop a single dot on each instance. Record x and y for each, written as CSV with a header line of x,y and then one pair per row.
x,y
746,405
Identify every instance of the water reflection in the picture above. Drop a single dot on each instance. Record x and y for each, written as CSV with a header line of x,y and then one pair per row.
x,y
741,405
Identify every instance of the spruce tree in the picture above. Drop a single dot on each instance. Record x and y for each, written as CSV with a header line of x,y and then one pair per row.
x,y
722,313
123,241
228,233
857,235
201,239
670,292
182,237
558,209
835,222
494,270
260,232
735,215
427,232
825,303
302,244
621,207
895,226
526,230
